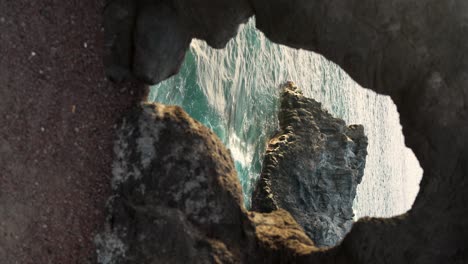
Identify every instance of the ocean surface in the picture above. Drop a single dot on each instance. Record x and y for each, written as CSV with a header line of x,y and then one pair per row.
x,y
235,92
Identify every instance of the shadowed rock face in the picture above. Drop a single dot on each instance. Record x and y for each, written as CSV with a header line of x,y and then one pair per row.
x,y
147,39
173,181
414,51
312,167
177,199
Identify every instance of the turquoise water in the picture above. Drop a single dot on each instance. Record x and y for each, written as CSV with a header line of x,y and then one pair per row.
x,y
234,92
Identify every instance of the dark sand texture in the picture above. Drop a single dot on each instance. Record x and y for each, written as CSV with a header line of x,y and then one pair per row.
x,y
57,114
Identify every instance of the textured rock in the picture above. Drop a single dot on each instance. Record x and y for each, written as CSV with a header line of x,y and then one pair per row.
x,y
414,51
280,237
147,39
177,199
144,39
311,168
173,181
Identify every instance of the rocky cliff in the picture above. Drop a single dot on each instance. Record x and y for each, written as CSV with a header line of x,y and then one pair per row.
x,y
312,167
414,51
53,91
177,199
175,192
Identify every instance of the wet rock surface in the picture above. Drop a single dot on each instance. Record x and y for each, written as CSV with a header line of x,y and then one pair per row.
x,y
312,167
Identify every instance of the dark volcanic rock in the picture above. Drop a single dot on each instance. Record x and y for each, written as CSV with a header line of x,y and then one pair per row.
x,y
414,51
177,199
173,184
312,168
144,39
147,39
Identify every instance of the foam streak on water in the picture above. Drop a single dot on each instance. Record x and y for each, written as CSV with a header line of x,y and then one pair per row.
x,y
234,91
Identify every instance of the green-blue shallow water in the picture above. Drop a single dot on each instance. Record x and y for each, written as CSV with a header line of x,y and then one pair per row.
x,y
234,92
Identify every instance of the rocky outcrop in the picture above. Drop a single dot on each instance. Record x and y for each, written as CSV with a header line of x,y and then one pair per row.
x,y
177,199
147,39
53,91
311,168
414,51
173,184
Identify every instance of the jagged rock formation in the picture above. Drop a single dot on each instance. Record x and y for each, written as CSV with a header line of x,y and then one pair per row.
x,y
414,51
173,182
312,167
57,111
177,199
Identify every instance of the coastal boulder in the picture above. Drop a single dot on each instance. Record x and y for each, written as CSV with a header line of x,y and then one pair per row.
x,y
177,199
175,192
